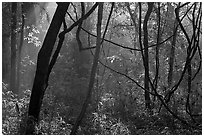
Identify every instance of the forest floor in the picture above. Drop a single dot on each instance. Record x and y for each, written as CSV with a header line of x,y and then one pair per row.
x,y
154,125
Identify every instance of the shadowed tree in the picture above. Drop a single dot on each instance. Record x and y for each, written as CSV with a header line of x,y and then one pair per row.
x,y
146,55
13,75
6,33
44,55
20,46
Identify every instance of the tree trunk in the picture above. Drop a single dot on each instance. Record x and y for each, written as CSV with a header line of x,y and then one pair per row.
x,y
93,71
5,57
20,48
6,42
173,43
188,109
44,55
171,58
146,56
13,47
172,54
157,47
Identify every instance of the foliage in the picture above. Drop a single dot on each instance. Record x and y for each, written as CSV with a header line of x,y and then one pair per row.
x,y
14,111
104,124
117,105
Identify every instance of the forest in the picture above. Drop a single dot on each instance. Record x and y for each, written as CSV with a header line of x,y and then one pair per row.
x,y
102,68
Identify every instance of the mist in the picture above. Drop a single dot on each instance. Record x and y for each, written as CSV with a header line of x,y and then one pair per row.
x,y
37,24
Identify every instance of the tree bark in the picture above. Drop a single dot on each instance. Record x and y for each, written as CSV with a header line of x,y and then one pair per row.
x,y
44,55
20,48
172,55
171,59
146,56
93,71
6,42
158,46
13,47
172,51
5,57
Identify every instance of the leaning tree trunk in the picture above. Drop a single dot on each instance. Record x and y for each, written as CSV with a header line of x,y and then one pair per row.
x,y
93,71
13,47
146,56
44,55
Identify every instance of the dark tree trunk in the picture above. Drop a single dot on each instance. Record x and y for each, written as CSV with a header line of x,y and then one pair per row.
x,y
44,55
5,57
93,71
188,109
20,48
146,56
13,47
